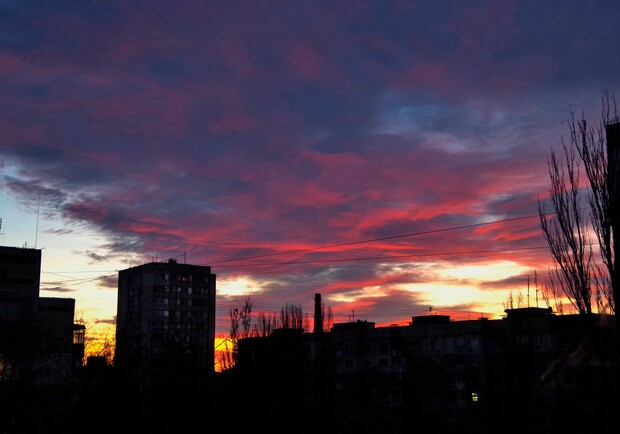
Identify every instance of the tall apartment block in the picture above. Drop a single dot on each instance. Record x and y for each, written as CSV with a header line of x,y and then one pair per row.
x,y
165,319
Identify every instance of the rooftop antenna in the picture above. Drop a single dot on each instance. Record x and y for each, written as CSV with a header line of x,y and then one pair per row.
x,y
1,233
536,285
528,290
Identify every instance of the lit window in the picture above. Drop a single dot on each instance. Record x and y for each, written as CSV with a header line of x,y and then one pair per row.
x,y
474,397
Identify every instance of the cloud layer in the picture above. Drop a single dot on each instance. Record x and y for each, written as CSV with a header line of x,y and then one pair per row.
x,y
351,148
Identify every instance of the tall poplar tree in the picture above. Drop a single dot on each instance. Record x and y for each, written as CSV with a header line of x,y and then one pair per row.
x,y
580,210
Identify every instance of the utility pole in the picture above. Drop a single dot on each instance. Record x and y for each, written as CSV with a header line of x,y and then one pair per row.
x,y
612,132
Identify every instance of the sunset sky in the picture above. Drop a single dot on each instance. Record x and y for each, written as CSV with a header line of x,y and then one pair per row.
x,y
386,154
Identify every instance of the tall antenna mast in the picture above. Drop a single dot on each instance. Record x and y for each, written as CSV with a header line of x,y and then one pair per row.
x,y
536,285
36,234
528,290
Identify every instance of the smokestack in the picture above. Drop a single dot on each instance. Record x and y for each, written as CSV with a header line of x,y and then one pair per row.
x,y
318,314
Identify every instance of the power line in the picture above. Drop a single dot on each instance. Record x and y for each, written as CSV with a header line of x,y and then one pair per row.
x,y
384,258
412,234
375,258
333,260
76,281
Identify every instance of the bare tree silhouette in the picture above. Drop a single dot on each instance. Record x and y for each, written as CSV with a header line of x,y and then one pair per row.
x,y
568,230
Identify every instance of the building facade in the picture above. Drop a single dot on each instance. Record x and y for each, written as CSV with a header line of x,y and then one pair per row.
x,y
20,271
530,371
41,348
165,319
39,342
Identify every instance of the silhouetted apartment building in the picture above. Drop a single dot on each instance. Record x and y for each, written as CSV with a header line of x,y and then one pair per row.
x,y
515,374
39,342
20,273
165,320
429,373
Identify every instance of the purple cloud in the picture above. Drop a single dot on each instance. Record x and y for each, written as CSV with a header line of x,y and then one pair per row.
x,y
225,131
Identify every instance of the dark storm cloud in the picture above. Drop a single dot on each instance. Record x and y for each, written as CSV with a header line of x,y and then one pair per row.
x,y
33,193
109,281
395,304
58,289
110,321
512,283
60,231
95,257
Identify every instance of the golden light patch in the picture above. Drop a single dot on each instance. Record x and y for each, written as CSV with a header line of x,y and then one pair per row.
x,y
355,295
446,295
235,286
222,343
485,272
343,298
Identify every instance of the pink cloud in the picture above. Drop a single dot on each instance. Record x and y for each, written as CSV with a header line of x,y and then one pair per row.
x,y
228,123
10,64
236,55
306,61
426,73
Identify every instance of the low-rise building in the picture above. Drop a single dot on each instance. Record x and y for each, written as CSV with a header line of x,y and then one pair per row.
x,y
479,375
39,341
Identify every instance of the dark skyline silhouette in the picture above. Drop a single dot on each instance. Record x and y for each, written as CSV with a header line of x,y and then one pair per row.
x,y
208,131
